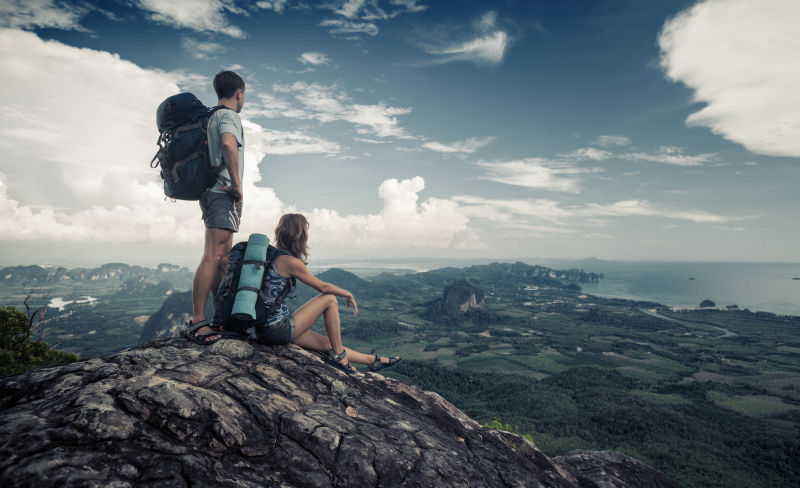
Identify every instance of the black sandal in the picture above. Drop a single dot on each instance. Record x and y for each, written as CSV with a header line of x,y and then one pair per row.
x,y
202,339
333,359
230,333
377,365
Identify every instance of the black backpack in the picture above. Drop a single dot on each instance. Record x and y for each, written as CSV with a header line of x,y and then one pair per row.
x,y
226,293
186,168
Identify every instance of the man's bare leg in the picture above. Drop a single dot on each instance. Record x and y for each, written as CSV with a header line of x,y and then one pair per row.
x,y
210,271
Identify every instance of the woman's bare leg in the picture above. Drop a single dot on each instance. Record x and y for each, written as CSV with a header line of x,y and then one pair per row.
x,y
304,318
317,342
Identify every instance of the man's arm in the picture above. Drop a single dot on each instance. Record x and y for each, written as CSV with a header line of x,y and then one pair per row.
x,y
230,156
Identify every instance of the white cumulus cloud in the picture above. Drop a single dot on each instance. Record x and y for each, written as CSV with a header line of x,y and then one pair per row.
x,y
41,13
329,104
402,222
198,15
72,134
75,165
740,57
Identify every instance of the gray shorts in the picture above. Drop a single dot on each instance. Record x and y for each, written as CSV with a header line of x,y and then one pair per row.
x,y
219,211
279,333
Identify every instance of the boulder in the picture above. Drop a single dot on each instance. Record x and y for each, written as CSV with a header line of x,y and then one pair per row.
x,y
240,414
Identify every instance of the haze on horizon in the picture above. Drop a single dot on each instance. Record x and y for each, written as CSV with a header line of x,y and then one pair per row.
x,y
410,129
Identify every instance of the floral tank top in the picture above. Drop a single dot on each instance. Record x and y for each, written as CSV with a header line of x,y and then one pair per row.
x,y
275,285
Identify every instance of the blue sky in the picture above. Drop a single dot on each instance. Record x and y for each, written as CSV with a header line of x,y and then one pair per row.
x,y
406,129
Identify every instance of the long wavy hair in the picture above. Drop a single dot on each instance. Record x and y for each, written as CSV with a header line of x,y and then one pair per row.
x,y
291,235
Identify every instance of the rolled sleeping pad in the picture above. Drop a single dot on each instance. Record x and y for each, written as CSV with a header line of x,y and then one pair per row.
x,y
253,269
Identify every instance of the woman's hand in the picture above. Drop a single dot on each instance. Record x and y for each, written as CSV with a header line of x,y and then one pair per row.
x,y
351,300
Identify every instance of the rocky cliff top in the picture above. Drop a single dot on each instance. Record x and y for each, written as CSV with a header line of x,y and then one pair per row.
x,y
240,414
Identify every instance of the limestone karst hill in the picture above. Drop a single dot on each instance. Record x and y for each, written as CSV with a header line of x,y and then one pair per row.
x,y
170,413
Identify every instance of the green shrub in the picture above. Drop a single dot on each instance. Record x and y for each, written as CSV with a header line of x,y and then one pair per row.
x,y
498,424
18,351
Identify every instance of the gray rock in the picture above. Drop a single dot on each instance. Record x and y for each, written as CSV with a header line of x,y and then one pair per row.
x,y
238,414
232,349
611,469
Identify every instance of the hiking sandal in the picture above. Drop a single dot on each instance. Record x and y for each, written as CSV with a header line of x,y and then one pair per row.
x,y
229,334
377,365
205,339
333,359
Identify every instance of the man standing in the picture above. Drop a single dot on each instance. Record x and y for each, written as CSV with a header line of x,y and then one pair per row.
x,y
222,203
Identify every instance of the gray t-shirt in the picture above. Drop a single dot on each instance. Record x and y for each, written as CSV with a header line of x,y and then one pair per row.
x,y
222,121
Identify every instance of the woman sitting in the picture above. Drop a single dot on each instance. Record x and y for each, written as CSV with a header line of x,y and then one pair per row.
x,y
291,236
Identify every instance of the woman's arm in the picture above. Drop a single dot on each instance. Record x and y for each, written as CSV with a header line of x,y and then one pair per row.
x,y
297,269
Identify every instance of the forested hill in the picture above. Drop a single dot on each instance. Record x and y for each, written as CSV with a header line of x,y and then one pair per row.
x,y
504,273
494,275
118,272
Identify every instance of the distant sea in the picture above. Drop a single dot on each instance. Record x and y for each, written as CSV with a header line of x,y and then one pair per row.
x,y
765,287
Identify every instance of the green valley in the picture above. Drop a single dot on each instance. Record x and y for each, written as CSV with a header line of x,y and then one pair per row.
x,y
710,397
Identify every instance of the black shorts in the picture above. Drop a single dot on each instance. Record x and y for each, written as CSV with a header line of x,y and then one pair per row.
x,y
219,211
279,333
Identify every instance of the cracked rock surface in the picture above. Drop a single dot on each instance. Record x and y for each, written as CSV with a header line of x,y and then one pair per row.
x,y
240,414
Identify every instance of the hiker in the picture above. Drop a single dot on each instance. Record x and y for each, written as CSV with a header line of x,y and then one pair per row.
x,y
291,235
221,205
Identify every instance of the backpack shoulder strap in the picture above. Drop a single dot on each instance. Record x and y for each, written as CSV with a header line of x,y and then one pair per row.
x,y
207,117
213,109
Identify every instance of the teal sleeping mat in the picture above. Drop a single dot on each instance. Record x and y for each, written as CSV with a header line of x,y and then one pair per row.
x,y
253,269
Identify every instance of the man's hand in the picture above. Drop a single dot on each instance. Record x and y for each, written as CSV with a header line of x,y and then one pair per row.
x,y
235,191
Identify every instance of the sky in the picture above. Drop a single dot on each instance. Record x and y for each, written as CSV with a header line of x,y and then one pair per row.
x,y
409,129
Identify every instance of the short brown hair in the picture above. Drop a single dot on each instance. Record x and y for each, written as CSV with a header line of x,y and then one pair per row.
x,y
226,83
291,235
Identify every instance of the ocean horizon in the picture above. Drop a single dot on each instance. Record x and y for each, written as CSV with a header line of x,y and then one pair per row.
x,y
768,287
